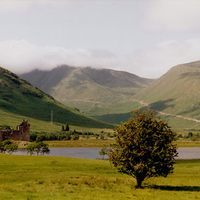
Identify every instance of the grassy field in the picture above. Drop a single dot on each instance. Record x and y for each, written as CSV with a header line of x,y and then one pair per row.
x,y
106,143
80,143
40,177
92,142
186,143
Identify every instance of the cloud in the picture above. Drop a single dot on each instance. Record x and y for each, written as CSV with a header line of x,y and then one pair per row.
x,y
15,6
18,6
172,15
156,61
22,56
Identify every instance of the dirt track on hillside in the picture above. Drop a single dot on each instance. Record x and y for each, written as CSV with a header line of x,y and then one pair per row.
x,y
166,114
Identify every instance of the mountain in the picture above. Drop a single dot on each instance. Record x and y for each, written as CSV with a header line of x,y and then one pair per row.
x,y
176,95
93,91
19,98
110,95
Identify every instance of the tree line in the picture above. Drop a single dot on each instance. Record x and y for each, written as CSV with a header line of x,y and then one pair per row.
x,y
63,135
38,147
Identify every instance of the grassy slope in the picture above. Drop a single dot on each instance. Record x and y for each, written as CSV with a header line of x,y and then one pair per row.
x,y
176,92
20,99
96,92
32,177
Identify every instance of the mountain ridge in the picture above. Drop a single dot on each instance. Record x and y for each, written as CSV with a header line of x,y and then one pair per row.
x,y
93,91
19,97
174,96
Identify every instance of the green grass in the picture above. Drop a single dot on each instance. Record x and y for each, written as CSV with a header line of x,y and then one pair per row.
x,y
32,177
92,142
81,143
13,120
188,143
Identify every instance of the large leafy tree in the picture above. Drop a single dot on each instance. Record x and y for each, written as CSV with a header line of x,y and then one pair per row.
x,y
143,147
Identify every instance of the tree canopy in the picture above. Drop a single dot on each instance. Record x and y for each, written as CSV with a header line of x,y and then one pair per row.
x,y
143,147
9,146
38,147
103,151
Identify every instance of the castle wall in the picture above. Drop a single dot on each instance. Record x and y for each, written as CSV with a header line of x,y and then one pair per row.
x,y
1,136
22,133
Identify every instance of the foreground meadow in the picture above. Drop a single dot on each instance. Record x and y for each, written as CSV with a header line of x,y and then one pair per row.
x,y
40,177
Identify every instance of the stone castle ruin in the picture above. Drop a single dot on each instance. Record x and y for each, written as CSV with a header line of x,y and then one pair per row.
x,y
22,133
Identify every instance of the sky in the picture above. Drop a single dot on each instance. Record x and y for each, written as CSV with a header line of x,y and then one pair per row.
x,y
143,37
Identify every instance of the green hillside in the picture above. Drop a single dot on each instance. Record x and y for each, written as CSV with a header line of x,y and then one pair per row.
x,y
18,99
175,97
94,91
176,94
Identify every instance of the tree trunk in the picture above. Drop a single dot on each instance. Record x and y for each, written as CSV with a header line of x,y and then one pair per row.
x,y
139,183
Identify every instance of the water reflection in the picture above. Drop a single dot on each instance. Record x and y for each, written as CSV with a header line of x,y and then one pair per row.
x,y
92,153
89,153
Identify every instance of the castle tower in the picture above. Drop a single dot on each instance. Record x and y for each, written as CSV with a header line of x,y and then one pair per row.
x,y
24,129
21,133
1,136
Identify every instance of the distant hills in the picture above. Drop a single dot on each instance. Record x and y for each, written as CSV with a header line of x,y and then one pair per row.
x,y
94,91
110,95
18,98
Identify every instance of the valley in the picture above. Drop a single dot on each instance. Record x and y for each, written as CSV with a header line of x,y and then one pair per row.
x,y
105,95
109,95
93,92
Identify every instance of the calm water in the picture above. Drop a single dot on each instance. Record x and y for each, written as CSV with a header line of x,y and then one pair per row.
x,y
92,153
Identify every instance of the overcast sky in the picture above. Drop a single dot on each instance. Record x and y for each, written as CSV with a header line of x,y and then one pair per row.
x,y
144,37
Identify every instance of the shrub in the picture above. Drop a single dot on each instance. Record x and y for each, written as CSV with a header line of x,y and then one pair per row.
x,y
75,137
